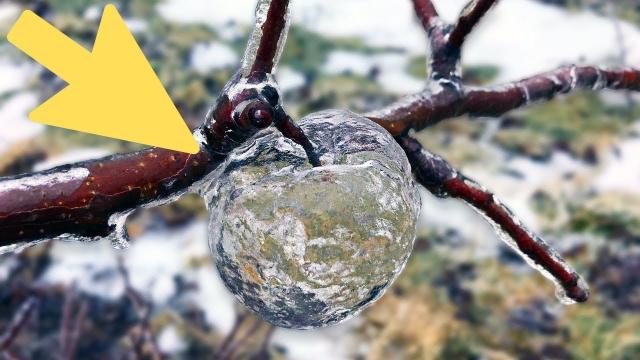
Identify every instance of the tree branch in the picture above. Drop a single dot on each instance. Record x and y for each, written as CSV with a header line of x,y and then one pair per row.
x,y
427,13
441,179
80,199
432,106
469,18
498,100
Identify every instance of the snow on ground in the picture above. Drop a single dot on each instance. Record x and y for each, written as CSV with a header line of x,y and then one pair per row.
x,y
215,55
13,113
8,12
170,341
334,342
289,79
621,171
14,76
392,69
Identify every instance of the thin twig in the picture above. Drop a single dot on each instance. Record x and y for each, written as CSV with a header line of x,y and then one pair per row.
x,y
74,314
18,322
143,309
440,178
236,345
266,342
469,18
76,329
241,316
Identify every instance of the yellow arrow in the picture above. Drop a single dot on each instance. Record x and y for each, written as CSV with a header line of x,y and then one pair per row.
x,y
113,91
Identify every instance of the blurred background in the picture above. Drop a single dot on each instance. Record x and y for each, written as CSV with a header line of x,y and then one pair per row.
x,y
570,168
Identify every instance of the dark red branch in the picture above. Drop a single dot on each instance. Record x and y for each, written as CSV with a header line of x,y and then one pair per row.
x,y
427,13
441,179
292,131
80,199
498,100
74,314
273,30
432,106
469,18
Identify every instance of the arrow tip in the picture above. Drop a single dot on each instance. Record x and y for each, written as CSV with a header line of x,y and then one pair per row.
x,y
113,91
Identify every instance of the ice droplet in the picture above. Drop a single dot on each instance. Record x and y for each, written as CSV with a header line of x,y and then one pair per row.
x,y
119,237
18,248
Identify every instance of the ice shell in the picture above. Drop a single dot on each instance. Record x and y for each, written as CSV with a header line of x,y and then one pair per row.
x,y
308,247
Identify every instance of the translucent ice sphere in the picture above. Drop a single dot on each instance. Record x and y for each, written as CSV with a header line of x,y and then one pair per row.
x,y
307,247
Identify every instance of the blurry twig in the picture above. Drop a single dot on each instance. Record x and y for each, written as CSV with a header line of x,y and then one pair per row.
x,y
241,316
18,322
237,338
236,345
264,347
144,336
71,324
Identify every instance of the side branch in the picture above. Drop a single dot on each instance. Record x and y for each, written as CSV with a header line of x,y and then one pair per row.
x,y
499,100
469,18
272,22
441,179
427,13
428,108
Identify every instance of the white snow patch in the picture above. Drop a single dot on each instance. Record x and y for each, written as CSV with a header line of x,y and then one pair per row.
x,y
14,76
622,170
215,55
13,117
8,13
393,76
170,341
92,13
289,79
214,298
334,342
81,264
137,25
153,260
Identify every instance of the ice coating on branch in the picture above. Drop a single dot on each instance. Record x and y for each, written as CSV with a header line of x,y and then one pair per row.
x,y
560,292
249,58
23,190
119,237
17,248
308,247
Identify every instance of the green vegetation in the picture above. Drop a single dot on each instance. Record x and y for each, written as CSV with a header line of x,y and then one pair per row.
x,y
579,123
